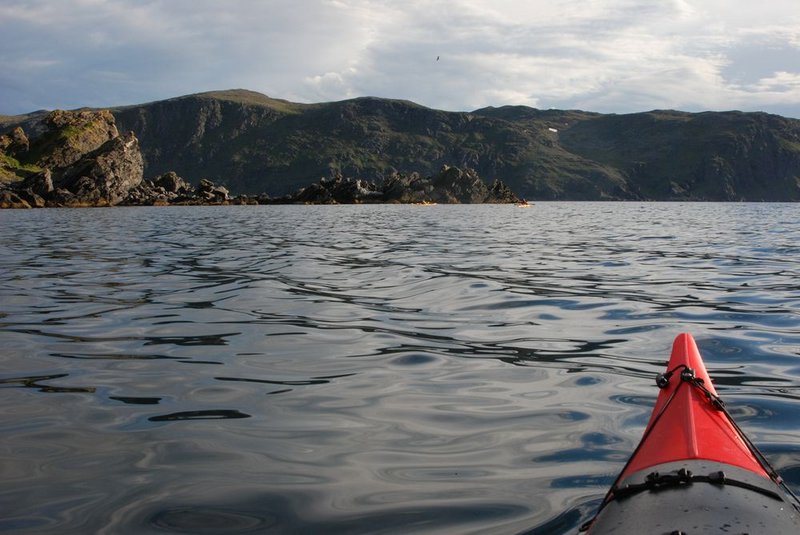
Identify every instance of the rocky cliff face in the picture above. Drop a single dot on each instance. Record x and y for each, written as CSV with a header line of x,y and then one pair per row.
x,y
222,139
255,144
69,136
104,176
251,143
79,160
669,155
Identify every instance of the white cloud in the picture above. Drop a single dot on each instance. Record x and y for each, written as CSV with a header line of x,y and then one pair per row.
x,y
602,55
781,82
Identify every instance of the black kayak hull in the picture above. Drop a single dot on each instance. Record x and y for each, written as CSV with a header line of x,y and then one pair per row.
x,y
694,470
697,496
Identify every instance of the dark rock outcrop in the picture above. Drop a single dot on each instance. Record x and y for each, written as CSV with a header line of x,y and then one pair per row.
x,y
79,160
338,190
105,176
40,183
11,199
170,189
451,185
15,142
254,143
212,193
172,183
166,189
72,135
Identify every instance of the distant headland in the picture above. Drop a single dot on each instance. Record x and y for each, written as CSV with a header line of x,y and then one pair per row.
x,y
262,147
80,159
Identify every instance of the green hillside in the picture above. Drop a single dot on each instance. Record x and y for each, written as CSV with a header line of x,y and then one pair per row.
x,y
253,143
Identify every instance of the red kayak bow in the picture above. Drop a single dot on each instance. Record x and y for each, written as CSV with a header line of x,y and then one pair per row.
x,y
694,470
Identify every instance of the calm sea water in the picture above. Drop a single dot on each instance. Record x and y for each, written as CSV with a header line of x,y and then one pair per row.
x,y
372,369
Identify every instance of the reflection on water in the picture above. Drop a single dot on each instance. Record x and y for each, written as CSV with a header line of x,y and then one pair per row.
x,y
372,369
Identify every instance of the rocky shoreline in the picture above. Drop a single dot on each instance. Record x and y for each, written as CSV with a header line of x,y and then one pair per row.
x,y
80,159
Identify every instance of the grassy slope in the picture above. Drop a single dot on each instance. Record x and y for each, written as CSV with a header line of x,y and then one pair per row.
x,y
720,156
255,143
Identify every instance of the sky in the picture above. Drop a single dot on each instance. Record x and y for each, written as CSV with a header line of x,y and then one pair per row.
x,y
609,56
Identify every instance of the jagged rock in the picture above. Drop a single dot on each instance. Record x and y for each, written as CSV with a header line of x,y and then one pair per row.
x,y
83,161
111,173
314,194
209,191
454,185
406,189
10,199
40,183
356,191
72,135
62,197
451,185
12,146
142,195
172,183
33,199
170,189
499,192
15,143
105,176
242,200
339,190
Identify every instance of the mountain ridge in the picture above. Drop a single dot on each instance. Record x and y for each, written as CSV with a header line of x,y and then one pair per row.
x,y
251,143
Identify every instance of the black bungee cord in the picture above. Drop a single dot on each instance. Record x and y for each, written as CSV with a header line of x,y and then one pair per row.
x,y
688,376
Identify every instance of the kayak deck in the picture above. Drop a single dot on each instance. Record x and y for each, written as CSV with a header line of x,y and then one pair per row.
x,y
694,470
685,423
692,497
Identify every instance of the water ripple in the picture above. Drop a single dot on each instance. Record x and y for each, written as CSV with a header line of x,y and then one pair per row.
x,y
372,369
213,414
